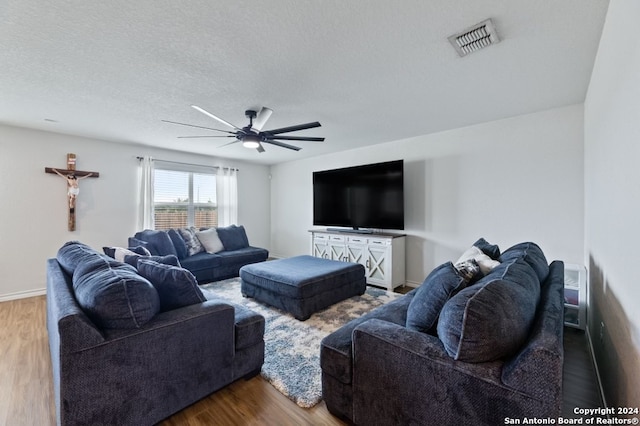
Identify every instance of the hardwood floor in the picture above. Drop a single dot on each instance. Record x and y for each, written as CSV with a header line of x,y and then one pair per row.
x,y
26,394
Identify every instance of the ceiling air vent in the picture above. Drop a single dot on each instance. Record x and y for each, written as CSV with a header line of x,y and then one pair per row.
x,y
475,38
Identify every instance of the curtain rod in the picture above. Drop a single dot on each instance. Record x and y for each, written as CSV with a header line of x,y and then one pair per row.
x,y
191,164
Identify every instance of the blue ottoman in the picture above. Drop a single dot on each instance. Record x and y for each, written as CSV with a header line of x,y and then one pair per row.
x,y
302,285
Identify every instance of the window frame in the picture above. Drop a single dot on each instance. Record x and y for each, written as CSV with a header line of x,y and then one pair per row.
x,y
191,205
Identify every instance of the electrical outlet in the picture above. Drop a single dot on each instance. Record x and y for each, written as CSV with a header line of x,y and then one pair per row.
x,y
601,332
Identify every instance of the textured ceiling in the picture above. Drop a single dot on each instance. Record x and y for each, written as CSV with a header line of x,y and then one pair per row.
x,y
370,71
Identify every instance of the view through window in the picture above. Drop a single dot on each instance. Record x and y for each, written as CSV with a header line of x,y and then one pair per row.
x,y
184,198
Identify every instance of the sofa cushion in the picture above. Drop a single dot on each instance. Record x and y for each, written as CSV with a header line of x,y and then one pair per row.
x,y
491,319
159,242
210,240
119,253
177,287
491,250
200,261
233,237
178,243
485,262
442,283
532,254
192,242
112,294
73,253
166,260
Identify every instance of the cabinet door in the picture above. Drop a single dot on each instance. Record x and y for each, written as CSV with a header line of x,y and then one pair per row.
x,y
320,248
378,265
337,247
357,253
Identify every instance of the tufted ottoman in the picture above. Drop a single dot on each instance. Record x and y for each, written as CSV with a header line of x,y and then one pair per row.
x,y
302,285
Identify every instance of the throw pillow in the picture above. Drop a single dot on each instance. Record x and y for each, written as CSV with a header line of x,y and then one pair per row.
x,y
469,270
159,242
166,260
485,262
233,237
532,254
492,318
193,243
424,309
178,243
113,295
118,253
177,287
72,254
210,240
491,250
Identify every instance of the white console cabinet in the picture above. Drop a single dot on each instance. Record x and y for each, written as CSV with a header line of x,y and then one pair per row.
x,y
382,255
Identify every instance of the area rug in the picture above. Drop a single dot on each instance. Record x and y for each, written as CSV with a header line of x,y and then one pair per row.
x,y
292,347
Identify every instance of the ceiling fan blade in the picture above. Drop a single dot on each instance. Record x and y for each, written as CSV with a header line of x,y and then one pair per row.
x,y
293,128
199,127
298,138
210,136
283,145
230,143
207,113
260,148
261,118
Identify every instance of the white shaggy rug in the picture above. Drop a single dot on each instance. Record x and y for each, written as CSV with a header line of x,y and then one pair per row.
x,y
292,347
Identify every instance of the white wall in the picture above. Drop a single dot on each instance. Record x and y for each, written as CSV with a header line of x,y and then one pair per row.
x,y
33,213
508,181
612,203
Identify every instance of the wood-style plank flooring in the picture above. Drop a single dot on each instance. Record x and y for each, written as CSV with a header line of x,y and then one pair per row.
x,y
26,394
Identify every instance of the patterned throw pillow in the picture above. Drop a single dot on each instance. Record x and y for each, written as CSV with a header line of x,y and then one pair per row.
x,y
469,271
191,240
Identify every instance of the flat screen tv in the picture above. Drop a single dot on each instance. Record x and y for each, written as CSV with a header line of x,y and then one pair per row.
x,y
369,196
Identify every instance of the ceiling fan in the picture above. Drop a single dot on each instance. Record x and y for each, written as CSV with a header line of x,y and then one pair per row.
x,y
252,135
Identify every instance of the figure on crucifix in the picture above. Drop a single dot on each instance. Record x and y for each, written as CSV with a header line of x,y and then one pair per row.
x,y
72,186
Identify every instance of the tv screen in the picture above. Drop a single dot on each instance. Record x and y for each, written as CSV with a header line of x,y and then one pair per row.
x,y
369,196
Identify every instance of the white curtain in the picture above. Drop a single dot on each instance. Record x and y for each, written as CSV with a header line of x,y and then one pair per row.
x,y
227,196
146,219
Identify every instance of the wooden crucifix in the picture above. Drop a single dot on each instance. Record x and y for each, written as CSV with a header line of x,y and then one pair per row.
x,y
72,176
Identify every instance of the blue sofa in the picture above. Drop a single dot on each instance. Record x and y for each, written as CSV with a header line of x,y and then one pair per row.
x,y
492,351
124,352
206,267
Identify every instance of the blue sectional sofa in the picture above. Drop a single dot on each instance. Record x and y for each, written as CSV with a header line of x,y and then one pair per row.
x,y
206,266
449,353
130,350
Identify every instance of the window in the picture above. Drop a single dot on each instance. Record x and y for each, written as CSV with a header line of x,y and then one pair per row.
x,y
184,198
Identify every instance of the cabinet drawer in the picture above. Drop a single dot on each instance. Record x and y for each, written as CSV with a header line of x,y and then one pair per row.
x,y
336,238
358,240
379,241
321,237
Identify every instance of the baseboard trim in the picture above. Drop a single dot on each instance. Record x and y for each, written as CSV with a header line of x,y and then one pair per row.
x,y
22,294
595,366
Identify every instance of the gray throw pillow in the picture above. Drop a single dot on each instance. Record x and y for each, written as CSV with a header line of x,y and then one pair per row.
x,y
191,240
177,287
424,309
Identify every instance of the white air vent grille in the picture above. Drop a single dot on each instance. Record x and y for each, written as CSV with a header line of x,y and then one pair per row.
x,y
475,38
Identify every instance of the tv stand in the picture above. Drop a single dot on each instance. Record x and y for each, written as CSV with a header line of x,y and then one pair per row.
x,y
382,255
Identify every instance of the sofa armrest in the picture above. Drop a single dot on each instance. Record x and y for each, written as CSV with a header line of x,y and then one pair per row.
x,y
405,377
176,358
537,368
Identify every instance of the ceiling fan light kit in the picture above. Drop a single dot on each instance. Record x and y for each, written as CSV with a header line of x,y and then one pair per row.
x,y
252,136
